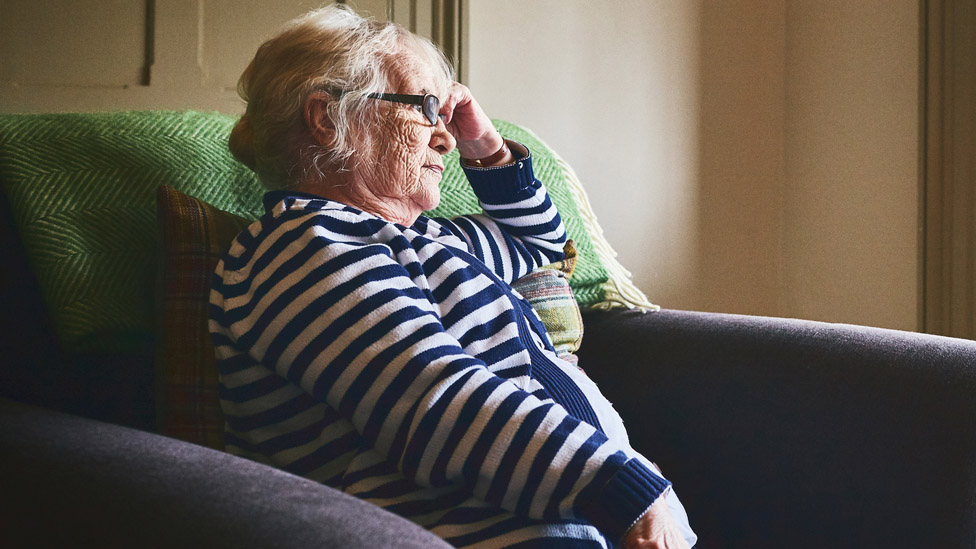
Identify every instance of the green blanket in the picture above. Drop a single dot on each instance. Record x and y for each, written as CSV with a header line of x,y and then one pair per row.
x,y
82,191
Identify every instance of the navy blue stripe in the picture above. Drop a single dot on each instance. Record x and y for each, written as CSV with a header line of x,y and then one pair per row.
x,y
326,453
607,470
381,469
282,236
235,363
469,303
502,414
296,289
393,489
382,356
502,350
516,447
393,393
531,230
437,259
495,254
259,387
502,212
412,371
499,528
449,226
269,229
275,414
453,280
471,236
417,508
485,331
543,462
571,473
283,441
293,264
428,425
468,515
315,309
468,414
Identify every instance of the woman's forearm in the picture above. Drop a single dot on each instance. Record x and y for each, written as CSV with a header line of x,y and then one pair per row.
x,y
520,228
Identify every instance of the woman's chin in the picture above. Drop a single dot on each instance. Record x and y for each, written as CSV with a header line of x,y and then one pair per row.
x,y
429,199
431,204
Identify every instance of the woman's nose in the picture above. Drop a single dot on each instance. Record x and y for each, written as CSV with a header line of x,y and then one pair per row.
x,y
441,140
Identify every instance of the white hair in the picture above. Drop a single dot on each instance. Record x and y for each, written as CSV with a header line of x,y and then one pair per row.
x,y
331,50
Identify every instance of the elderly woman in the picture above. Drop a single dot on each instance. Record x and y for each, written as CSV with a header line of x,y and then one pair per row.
x,y
384,353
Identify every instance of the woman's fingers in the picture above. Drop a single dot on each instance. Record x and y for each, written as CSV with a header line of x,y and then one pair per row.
x,y
465,116
655,530
472,129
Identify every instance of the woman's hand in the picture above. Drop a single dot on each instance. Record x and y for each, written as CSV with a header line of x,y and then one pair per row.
x,y
655,530
472,129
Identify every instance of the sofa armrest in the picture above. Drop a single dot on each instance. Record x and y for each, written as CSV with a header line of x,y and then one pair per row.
x,y
787,433
74,482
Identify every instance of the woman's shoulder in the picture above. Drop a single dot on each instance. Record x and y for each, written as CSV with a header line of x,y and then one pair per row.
x,y
323,219
294,231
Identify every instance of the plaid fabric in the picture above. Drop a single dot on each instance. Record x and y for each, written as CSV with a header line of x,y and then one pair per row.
x,y
547,290
192,237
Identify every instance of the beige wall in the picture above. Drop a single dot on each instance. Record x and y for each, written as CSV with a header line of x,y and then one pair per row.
x,y
66,55
852,190
748,156
615,92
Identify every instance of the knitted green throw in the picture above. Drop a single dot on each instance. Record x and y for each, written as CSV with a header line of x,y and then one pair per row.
x,y
82,191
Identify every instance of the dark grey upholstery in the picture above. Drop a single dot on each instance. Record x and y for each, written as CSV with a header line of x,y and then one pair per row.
x,y
785,433
776,433
69,482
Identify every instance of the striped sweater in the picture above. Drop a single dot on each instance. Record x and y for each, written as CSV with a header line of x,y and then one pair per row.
x,y
396,364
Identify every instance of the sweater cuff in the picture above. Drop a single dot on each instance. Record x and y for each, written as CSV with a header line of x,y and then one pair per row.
x,y
506,183
624,499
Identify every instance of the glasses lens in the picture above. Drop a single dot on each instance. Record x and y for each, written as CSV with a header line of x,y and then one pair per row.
x,y
432,106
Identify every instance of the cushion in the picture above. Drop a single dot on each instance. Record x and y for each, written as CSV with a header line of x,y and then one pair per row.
x,y
547,290
193,235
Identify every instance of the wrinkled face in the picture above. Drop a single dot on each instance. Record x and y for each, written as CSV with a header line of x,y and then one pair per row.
x,y
403,166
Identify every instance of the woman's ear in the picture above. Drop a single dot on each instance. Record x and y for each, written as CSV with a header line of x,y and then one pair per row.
x,y
317,118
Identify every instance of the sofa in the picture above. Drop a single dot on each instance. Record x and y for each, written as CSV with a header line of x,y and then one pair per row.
x,y
775,432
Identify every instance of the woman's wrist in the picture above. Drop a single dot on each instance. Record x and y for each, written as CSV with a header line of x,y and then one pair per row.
x,y
484,146
500,157
499,154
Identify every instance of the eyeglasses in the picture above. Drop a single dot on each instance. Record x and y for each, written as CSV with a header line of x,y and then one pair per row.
x,y
429,104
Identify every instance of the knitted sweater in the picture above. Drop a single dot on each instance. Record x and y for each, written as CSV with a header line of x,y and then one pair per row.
x,y
396,364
